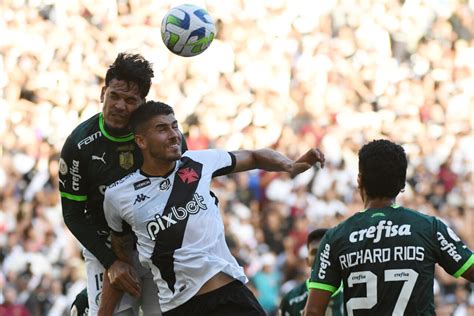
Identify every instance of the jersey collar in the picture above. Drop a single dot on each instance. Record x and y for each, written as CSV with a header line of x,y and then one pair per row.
x,y
393,205
121,139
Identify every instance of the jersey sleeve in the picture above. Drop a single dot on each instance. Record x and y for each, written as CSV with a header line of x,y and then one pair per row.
x,y
72,173
73,189
453,254
219,162
325,274
112,213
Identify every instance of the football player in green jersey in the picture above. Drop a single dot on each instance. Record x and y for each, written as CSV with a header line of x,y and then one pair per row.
x,y
385,256
98,152
294,301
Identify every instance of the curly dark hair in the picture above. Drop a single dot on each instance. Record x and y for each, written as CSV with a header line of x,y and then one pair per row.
x,y
382,168
316,235
146,112
131,68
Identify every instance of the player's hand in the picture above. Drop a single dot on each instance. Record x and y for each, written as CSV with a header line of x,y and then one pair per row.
x,y
313,157
123,277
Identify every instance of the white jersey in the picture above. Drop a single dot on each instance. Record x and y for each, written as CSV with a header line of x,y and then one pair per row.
x,y
178,224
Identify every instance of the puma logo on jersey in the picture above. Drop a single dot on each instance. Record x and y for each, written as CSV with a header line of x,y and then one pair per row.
x,y
383,229
63,183
101,158
140,198
177,214
188,175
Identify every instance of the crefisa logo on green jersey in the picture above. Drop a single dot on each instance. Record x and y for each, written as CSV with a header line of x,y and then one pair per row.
x,y
384,229
449,247
324,258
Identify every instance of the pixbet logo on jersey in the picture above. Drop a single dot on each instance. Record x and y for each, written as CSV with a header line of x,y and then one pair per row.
x,y
177,214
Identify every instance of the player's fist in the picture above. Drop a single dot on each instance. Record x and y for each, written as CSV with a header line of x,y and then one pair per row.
x,y
313,157
123,277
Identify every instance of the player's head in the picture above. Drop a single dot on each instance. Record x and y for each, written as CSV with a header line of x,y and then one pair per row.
x,y
127,83
382,169
314,239
156,131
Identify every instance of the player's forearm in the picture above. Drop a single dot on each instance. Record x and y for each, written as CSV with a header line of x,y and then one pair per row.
x,y
264,159
270,160
110,297
86,233
123,247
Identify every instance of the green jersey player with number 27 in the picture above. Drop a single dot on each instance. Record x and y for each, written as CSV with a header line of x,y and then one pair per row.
x,y
385,256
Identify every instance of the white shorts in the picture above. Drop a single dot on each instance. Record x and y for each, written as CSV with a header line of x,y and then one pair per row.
x,y
129,306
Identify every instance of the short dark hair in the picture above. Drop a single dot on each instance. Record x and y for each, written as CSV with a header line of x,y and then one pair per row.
x,y
316,235
146,112
382,168
131,68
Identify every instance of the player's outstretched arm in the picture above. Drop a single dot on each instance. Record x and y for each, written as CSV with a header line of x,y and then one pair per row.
x,y
271,160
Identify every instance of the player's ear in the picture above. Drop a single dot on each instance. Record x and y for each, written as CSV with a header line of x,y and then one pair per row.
x,y
359,181
140,141
102,94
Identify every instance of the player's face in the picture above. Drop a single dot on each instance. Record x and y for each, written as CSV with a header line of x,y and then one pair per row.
x,y
312,251
162,138
120,99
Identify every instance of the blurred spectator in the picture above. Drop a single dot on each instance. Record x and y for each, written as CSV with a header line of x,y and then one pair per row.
x,y
10,306
267,284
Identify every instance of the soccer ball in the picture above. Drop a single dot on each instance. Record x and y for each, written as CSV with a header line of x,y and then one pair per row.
x,y
187,30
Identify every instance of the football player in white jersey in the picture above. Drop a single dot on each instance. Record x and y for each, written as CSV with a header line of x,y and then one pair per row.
x,y
169,206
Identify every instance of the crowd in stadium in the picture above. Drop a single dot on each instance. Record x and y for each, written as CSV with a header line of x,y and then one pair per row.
x,y
283,74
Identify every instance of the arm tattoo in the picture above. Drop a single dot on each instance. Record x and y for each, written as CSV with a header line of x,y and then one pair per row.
x,y
123,247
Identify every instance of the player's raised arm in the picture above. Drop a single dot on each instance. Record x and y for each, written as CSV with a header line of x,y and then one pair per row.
x,y
270,160
454,256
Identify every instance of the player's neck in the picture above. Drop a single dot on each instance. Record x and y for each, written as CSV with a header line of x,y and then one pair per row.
x,y
157,168
378,202
117,132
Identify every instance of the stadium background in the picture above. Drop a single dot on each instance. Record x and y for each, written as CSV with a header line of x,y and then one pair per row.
x,y
289,74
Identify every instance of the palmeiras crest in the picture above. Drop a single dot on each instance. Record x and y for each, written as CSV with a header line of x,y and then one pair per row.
x,y
126,159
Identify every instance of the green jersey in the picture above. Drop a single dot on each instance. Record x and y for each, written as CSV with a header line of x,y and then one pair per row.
x,y
80,306
386,258
91,159
294,302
